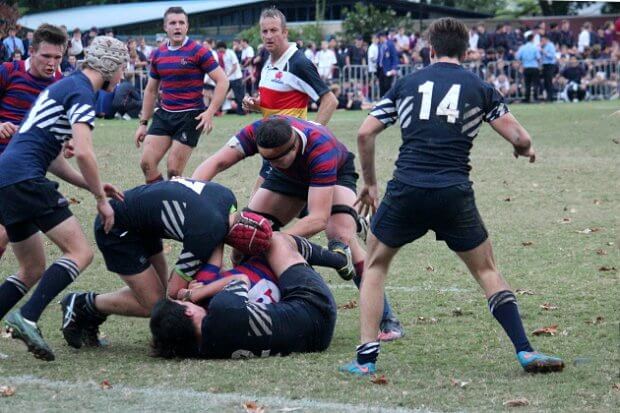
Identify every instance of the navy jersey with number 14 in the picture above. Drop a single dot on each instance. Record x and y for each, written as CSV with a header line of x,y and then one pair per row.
x,y
440,109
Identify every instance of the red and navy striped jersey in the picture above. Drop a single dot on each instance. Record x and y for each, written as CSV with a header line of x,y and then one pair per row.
x,y
18,91
263,282
181,72
287,85
317,162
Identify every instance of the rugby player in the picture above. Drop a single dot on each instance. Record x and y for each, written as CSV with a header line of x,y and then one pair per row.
x,y
22,81
30,203
232,326
200,215
178,66
308,166
440,109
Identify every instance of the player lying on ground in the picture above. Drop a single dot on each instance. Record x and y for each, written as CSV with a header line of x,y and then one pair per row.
x,y
200,215
232,326
440,110
309,167
30,203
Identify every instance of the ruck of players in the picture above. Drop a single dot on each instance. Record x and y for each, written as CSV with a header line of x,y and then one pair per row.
x,y
271,299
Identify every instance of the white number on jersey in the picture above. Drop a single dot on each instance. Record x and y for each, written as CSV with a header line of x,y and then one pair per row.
x,y
448,105
195,186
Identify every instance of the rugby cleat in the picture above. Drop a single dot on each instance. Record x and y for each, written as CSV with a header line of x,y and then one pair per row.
x,y
28,332
348,271
357,369
78,327
391,330
535,362
363,225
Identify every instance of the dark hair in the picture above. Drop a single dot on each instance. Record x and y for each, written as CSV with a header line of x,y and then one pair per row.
x,y
274,13
273,132
245,40
173,332
175,10
530,37
49,34
220,44
449,37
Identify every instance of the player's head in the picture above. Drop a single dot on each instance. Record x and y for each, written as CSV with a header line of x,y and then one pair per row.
x,y
176,330
448,37
46,50
176,25
108,56
277,142
273,30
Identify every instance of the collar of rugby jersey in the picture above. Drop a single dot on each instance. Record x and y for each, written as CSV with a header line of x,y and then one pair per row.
x,y
279,64
302,136
176,47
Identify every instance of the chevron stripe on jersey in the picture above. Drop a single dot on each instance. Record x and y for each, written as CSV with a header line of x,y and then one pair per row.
x,y
287,85
385,112
259,319
173,217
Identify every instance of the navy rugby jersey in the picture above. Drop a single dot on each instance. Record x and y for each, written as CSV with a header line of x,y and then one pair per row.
x,y
440,109
194,213
46,127
320,157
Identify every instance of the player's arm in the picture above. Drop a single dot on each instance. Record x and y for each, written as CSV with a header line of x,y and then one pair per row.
x,y
219,94
198,291
366,137
510,129
87,164
148,106
218,162
185,269
327,105
7,129
319,209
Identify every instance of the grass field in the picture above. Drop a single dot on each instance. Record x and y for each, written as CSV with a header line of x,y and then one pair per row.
x,y
534,213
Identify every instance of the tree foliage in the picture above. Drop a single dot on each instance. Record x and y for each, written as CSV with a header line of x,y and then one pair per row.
x,y
520,8
368,20
482,6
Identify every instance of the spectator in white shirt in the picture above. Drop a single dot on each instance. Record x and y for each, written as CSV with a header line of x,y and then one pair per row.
x,y
402,40
75,44
325,60
232,68
584,37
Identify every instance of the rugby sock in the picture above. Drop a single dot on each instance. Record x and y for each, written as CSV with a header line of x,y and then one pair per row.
x,y
90,308
368,352
503,306
55,279
158,178
316,255
11,291
387,310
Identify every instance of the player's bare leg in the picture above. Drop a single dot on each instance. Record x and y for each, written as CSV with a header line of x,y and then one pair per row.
x,y
282,207
153,151
503,306
177,158
4,241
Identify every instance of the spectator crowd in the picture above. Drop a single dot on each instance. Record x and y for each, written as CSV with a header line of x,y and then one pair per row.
x,y
551,61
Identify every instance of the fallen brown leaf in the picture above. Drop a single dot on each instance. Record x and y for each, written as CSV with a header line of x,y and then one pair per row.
x,y
7,391
507,199
616,386
457,312
598,320
616,141
381,380
526,243
589,230
565,220
522,291
547,306
74,201
430,268
252,407
521,401
597,202
546,331
606,268
348,306
601,251
459,383
105,385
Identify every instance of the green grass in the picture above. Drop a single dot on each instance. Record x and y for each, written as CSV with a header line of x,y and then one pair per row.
x,y
578,163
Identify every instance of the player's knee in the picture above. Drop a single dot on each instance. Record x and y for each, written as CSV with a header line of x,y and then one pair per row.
x,y
147,165
83,256
172,172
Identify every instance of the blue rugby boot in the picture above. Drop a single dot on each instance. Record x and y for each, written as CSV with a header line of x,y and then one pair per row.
x,y
535,362
357,369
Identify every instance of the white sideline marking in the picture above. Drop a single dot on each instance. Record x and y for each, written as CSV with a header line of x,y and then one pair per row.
x,y
405,289
168,398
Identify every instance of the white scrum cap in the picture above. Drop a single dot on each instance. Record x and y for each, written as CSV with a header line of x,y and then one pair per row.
x,y
105,55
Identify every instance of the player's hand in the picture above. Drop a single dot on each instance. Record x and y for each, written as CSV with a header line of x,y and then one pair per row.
x,y
106,213
184,294
112,192
140,135
250,104
7,129
68,150
528,153
206,122
368,200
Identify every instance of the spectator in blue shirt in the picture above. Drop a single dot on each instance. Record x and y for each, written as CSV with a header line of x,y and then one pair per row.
x,y
12,43
549,65
529,56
